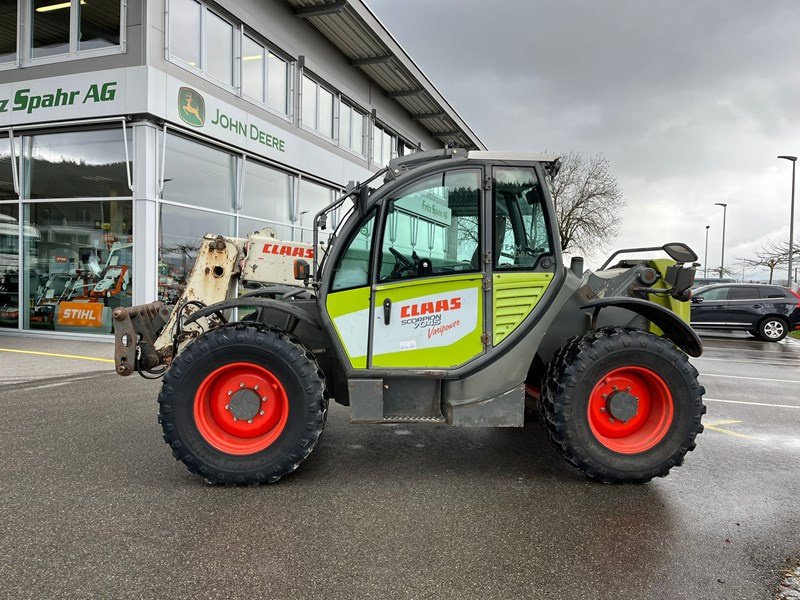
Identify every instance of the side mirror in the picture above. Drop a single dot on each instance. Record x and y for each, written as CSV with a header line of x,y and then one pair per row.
x,y
680,252
302,270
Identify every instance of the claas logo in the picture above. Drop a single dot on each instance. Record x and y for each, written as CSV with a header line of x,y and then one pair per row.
x,y
284,250
429,308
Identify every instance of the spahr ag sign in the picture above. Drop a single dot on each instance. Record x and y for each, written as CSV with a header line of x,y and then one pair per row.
x,y
83,95
26,101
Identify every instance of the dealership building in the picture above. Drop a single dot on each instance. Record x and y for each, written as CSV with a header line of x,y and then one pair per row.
x,y
130,128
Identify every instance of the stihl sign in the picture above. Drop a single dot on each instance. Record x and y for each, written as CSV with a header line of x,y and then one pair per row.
x,y
80,314
287,250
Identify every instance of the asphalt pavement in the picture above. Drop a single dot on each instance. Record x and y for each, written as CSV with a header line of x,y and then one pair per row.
x,y
94,505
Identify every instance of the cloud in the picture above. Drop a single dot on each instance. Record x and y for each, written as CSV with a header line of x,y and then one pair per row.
x,y
691,102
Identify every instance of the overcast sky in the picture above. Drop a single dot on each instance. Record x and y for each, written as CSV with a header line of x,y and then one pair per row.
x,y
690,101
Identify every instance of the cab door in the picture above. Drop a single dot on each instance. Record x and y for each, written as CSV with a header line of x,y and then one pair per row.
x,y
428,292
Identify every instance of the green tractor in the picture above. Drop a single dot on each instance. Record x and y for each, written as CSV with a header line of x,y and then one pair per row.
x,y
440,297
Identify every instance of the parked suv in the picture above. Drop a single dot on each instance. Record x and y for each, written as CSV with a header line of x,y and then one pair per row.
x,y
767,311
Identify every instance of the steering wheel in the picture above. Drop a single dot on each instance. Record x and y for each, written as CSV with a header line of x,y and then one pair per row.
x,y
402,264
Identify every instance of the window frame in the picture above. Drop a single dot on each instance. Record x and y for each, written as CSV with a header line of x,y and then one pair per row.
x,y
385,131
319,85
354,110
269,51
15,63
25,57
202,69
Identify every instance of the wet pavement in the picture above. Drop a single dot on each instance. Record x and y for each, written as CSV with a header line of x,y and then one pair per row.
x,y
93,504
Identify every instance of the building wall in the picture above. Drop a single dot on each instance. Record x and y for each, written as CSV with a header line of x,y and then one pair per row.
x,y
60,234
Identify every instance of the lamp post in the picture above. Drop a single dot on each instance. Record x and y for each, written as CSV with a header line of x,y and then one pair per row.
x,y
705,258
724,218
793,160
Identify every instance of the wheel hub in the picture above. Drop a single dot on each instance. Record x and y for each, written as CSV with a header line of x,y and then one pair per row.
x,y
244,404
623,405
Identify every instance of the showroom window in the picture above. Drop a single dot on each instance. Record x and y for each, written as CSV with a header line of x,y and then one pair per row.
x,y
76,164
202,39
74,28
9,263
382,146
181,231
8,34
317,107
78,259
7,190
313,198
198,174
267,198
351,128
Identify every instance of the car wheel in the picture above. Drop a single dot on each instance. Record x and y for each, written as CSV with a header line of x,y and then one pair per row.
x,y
773,329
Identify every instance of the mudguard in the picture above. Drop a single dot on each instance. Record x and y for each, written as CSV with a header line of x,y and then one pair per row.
x,y
295,313
674,328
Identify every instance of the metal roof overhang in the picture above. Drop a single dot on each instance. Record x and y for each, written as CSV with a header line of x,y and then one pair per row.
x,y
352,27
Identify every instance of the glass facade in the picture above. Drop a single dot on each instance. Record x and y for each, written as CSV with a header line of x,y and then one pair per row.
x,y
78,264
197,174
75,165
74,217
180,232
9,263
313,198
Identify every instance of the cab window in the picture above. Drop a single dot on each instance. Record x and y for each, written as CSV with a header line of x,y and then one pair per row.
x,y
433,228
520,226
352,271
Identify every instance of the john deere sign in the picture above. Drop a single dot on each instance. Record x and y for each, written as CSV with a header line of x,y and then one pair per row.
x,y
191,107
226,122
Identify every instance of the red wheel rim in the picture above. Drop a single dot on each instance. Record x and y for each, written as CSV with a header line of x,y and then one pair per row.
x,y
653,416
250,391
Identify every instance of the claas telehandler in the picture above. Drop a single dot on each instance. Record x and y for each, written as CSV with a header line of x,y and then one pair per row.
x,y
438,296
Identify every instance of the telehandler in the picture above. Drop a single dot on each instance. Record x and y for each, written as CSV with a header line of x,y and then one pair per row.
x,y
440,297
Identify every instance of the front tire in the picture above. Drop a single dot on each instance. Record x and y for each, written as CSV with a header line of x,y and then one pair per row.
x,y
773,329
622,405
243,404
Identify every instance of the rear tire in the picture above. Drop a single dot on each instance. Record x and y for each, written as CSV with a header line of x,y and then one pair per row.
x,y
243,404
773,329
577,410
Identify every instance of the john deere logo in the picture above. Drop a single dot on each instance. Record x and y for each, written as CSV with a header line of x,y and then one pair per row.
x,y
191,107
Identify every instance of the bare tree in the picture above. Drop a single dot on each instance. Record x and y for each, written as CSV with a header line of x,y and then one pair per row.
x,y
588,201
771,255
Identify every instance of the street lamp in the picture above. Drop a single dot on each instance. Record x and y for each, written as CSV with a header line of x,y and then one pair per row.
x,y
791,219
724,218
705,258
